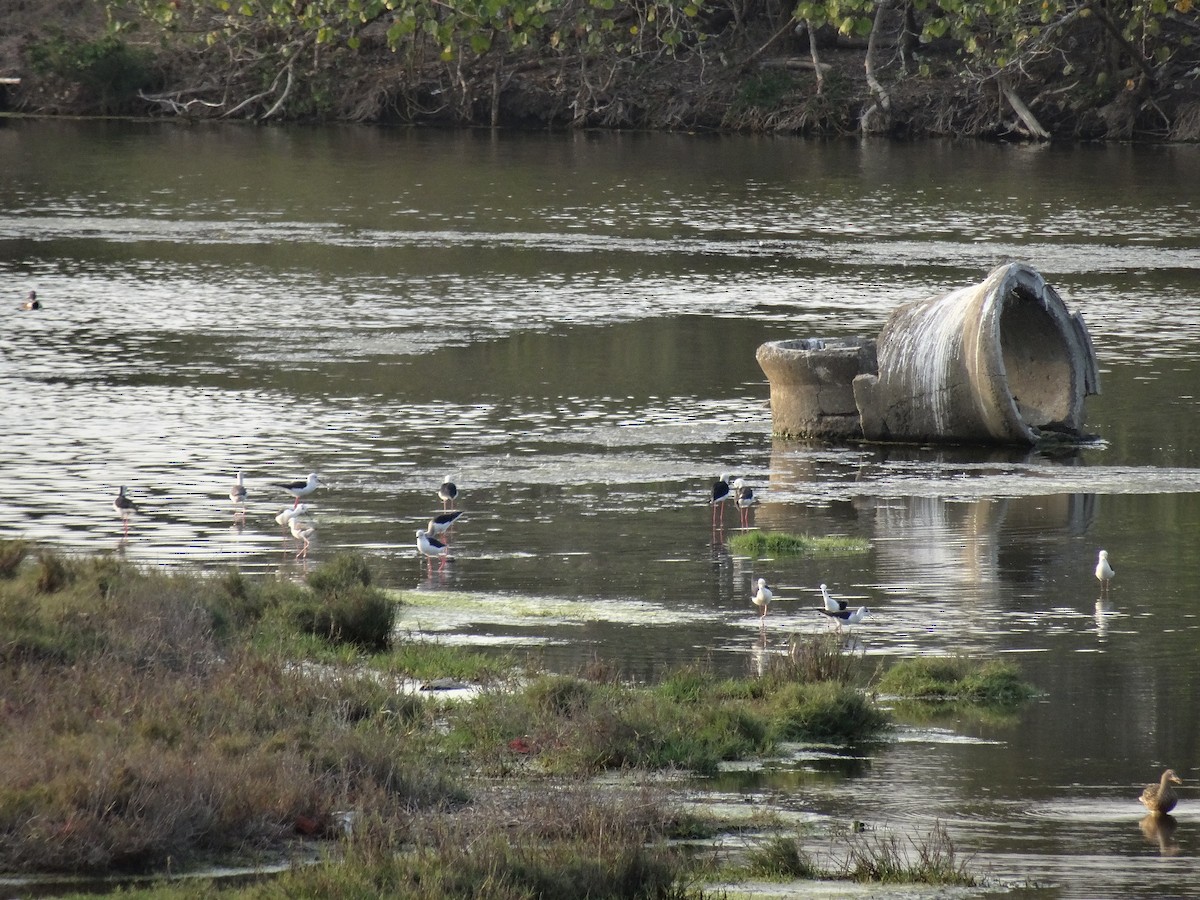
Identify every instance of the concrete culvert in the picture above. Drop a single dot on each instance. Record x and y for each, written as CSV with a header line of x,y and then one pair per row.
x,y
1002,361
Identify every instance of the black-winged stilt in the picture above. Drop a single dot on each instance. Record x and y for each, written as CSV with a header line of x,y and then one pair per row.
x,y
845,615
300,489
124,507
448,492
745,499
439,525
832,606
720,493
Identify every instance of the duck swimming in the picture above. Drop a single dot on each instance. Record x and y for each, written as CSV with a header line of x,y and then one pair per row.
x,y
1160,798
31,302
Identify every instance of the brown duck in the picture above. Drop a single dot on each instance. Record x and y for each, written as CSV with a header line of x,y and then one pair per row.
x,y
1160,798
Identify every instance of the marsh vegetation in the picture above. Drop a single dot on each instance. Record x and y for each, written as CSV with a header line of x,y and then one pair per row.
x,y
155,721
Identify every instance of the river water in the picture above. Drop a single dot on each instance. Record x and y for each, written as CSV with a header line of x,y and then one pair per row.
x,y
566,326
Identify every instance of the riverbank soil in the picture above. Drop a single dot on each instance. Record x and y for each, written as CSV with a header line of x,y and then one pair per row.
x,y
748,73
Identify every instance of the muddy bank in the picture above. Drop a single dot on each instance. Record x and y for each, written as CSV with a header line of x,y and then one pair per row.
x,y
761,74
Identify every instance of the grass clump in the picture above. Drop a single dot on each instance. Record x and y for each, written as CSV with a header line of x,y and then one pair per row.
x,y
993,682
12,554
774,543
781,858
893,859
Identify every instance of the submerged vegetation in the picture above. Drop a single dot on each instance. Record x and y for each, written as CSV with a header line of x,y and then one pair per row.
x,y
774,543
153,720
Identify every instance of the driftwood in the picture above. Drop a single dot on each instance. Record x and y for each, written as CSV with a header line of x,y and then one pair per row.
x,y
795,62
1023,113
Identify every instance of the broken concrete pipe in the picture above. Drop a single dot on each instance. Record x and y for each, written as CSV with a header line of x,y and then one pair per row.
x,y
1002,361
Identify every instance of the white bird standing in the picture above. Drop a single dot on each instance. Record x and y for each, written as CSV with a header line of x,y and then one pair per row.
x,y
237,494
762,597
831,605
291,512
745,499
302,531
1104,572
300,489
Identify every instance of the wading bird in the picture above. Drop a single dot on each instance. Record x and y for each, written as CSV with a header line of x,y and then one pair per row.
x,y
1104,572
448,493
762,597
430,547
1160,798
845,615
439,525
291,512
124,507
300,489
237,494
303,532
720,493
833,607
745,499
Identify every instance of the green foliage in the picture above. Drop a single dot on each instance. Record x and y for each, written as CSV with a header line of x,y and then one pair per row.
x,y
892,859
824,711
781,858
956,678
774,543
765,89
108,69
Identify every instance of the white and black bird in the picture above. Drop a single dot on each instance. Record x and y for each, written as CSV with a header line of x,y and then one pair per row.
x,y
448,493
300,489
1104,572
846,616
439,525
832,606
302,530
430,546
745,499
721,492
31,302
124,507
762,597
237,495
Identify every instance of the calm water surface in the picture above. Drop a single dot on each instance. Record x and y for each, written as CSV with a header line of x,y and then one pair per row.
x,y
567,325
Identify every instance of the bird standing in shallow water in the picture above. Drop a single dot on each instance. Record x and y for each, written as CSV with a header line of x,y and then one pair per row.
x,y
124,507
291,512
300,489
237,494
439,525
448,493
303,532
1160,798
745,499
762,597
720,493
846,615
1104,572
833,607
430,546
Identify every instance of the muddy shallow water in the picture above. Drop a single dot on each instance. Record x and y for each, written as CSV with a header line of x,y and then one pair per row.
x,y
567,326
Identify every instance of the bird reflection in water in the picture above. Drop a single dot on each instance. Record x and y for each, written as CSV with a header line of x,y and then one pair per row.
x,y
1104,611
1160,830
